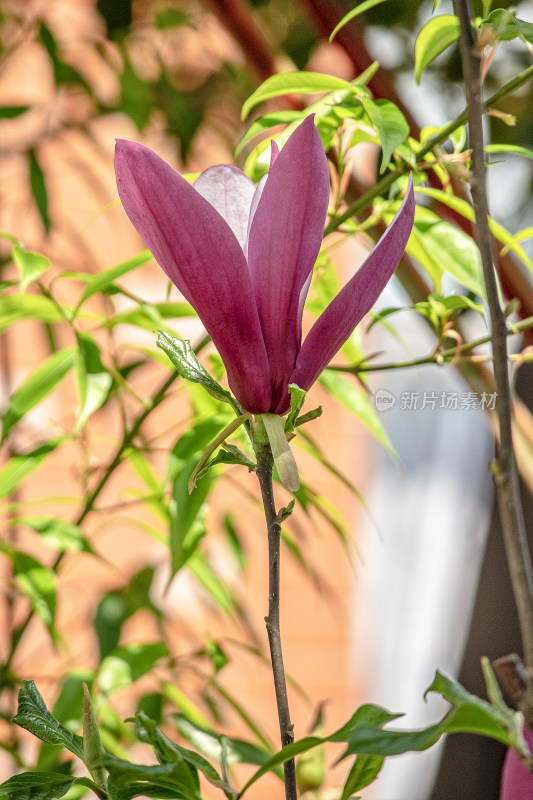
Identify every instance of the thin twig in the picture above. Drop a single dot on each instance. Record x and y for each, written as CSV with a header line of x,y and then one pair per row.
x,y
504,469
264,474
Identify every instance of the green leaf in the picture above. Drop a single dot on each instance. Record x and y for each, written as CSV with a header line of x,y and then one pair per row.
x,y
465,209
297,401
391,126
360,9
20,466
102,281
184,359
209,744
202,571
433,39
293,83
30,265
440,247
516,149
151,315
168,751
37,386
36,786
228,454
11,112
364,771
94,381
178,776
126,664
38,583
33,716
171,18
505,26
39,190
266,121
187,516
347,392
14,307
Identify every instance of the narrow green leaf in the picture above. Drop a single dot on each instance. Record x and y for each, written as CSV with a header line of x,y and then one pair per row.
x,y
10,112
39,190
293,83
36,786
14,307
347,392
178,776
360,9
505,26
515,149
391,126
441,247
433,39
171,18
20,466
30,265
37,386
202,571
187,515
33,716
465,209
38,583
151,315
266,121
103,280
93,748
184,359
127,663
297,401
229,455
364,771
209,744
93,379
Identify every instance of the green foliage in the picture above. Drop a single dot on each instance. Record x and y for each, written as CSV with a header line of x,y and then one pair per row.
x,y
433,39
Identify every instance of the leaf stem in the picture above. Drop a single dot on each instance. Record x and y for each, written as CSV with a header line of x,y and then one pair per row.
x,y
265,464
504,468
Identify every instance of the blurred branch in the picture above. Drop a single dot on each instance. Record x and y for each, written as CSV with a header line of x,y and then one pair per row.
x,y
504,468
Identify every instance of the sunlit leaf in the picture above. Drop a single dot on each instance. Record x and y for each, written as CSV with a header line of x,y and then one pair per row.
x,y
171,18
14,307
364,771
36,786
37,386
391,126
293,83
58,533
433,39
39,190
359,9
100,282
93,379
20,466
126,664
38,583
30,265
33,715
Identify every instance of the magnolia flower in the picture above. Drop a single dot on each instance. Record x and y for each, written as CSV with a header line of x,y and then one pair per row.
x,y
243,257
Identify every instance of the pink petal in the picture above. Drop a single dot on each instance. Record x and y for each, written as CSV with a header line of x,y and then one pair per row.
x,y
517,780
284,241
339,319
196,248
230,191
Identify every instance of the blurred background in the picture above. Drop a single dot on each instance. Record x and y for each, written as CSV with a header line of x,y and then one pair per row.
x,y
75,75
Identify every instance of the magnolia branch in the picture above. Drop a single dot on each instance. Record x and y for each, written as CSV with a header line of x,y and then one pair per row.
x,y
504,468
264,475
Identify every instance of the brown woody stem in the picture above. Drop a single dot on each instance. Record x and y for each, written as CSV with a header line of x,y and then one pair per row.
x,y
264,474
504,467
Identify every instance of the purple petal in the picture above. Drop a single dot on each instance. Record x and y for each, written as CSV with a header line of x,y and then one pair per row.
x,y
517,780
337,322
230,191
284,241
196,248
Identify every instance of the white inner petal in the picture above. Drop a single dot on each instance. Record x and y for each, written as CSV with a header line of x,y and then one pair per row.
x,y
230,192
